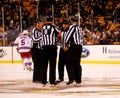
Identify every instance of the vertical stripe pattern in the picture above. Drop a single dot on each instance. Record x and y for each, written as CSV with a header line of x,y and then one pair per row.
x,y
75,35
62,43
36,36
49,34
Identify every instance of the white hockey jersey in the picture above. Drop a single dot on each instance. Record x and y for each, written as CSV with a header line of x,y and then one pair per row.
x,y
23,43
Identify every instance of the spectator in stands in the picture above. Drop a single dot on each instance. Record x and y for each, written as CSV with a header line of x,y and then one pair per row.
x,y
89,10
103,39
63,12
26,19
11,36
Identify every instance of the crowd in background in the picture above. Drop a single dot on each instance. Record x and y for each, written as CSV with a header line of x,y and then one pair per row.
x,y
100,19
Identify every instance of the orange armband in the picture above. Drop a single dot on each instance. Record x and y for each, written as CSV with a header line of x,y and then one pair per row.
x,y
59,35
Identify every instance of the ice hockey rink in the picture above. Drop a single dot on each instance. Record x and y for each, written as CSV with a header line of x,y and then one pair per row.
x,y
99,81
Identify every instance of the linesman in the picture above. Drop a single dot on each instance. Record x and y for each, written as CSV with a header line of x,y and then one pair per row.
x,y
36,51
62,53
50,36
74,37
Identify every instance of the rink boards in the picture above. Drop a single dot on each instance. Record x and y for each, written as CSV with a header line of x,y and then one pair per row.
x,y
91,54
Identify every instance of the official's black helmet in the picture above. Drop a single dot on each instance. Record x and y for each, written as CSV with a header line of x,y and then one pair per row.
x,y
49,18
37,21
74,18
65,21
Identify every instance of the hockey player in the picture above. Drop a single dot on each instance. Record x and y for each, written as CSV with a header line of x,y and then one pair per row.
x,y
23,44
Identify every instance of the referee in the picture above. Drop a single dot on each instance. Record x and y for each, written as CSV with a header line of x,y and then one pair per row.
x,y
74,37
50,35
62,53
36,51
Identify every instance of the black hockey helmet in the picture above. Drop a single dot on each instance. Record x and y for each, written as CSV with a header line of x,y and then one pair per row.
x,y
37,21
49,18
66,21
74,18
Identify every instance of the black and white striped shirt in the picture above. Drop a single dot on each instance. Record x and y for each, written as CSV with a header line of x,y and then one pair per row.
x,y
36,36
62,40
74,35
50,33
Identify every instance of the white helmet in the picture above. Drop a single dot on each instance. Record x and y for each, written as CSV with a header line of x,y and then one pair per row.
x,y
25,32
